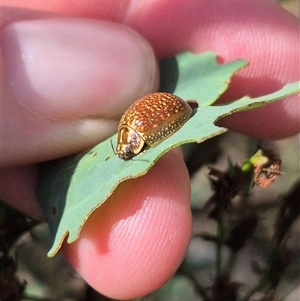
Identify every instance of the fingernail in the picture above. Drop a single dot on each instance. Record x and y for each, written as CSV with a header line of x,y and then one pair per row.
x,y
76,68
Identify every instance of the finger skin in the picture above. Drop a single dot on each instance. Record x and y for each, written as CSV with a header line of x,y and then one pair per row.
x,y
17,188
133,243
65,88
259,31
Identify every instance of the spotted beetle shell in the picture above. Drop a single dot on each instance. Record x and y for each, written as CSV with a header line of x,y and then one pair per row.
x,y
149,121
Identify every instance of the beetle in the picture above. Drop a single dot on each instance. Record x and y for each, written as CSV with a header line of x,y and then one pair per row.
x,y
149,121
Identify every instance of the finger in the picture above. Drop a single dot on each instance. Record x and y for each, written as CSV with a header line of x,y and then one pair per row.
x,y
17,188
133,243
259,31
66,84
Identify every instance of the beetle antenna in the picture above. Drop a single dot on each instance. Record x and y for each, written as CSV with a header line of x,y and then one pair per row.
x,y
112,146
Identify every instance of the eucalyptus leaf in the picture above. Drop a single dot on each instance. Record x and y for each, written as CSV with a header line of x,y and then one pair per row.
x,y
70,189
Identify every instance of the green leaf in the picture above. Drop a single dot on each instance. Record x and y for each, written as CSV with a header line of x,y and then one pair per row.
x,y
70,189
198,78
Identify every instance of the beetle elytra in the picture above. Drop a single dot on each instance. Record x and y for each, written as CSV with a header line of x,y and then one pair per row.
x,y
149,121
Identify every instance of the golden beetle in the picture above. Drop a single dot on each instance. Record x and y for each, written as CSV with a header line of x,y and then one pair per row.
x,y
150,120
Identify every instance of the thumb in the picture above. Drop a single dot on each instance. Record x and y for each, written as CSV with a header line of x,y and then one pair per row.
x,y
65,84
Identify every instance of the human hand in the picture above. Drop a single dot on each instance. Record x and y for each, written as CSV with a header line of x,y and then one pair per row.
x,y
146,223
